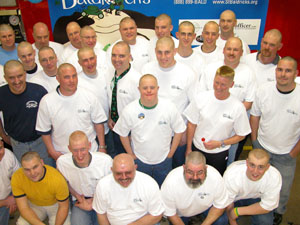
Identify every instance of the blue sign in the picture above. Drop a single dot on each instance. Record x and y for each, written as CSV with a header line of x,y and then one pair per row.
x,y
104,16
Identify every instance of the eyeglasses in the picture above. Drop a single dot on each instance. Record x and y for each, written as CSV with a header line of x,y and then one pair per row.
x,y
89,37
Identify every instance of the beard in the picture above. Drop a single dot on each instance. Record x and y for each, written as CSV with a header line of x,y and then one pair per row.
x,y
194,183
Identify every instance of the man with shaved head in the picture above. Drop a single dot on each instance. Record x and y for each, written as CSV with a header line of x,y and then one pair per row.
x,y
185,53
83,170
127,196
209,49
275,113
88,39
138,44
253,187
175,80
227,23
47,77
19,103
192,189
41,37
163,28
264,62
94,80
151,143
123,83
67,109
8,48
73,33
40,192
26,55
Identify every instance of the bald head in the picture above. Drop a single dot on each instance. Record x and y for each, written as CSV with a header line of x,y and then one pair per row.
x,y
211,25
166,41
227,23
78,136
73,33
63,67
5,27
275,33
123,169
11,64
123,159
148,76
7,37
234,40
196,158
88,37
163,26
26,54
41,35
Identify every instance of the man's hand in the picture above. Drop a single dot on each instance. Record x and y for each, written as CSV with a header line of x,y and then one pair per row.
x,y
111,124
210,145
232,217
55,155
6,139
11,204
85,204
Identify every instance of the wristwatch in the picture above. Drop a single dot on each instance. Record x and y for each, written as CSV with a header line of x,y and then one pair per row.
x,y
222,144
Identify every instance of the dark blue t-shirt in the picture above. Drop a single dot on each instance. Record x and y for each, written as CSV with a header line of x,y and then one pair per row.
x,y
20,111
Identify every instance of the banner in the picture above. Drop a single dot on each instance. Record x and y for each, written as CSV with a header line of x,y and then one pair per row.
x,y
104,16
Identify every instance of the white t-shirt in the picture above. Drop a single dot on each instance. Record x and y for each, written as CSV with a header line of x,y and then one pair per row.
x,y
85,180
244,81
151,129
279,124
31,75
182,200
221,44
138,51
216,119
195,61
2,80
127,88
152,46
264,73
211,57
69,49
126,205
101,59
8,165
175,83
60,115
57,47
98,86
239,186
49,83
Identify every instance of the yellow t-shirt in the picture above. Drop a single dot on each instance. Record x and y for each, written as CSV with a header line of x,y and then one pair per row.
x,y
52,188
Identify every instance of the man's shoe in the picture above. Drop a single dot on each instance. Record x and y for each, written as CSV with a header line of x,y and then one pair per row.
x,y
277,218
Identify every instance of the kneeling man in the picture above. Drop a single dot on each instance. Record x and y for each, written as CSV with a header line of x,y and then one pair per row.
x,y
40,192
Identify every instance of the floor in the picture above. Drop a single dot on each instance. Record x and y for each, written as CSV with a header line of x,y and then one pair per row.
x,y
291,217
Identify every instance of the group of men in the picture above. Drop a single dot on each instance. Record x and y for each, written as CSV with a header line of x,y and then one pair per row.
x,y
173,112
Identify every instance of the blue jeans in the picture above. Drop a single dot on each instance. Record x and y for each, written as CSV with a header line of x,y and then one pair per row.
x,y
266,219
222,220
286,165
231,153
157,171
110,144
82,217
179,156
37,145
4,215
118,147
